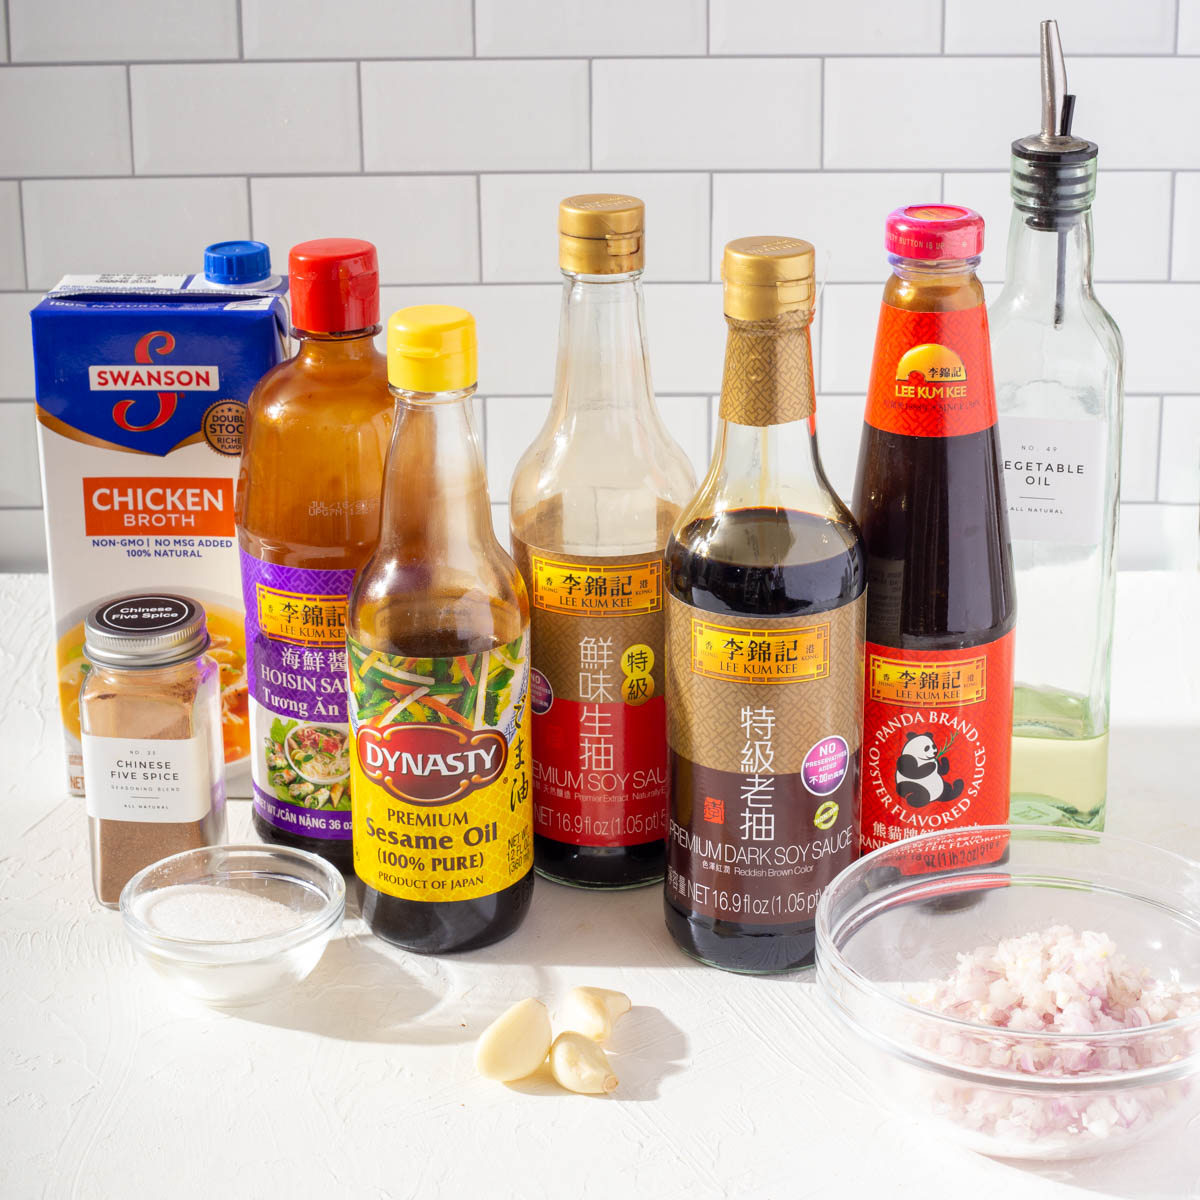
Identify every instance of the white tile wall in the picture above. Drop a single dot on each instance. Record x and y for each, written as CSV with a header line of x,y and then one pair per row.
x,y
245,117
865,27
1185,263
1189,27
64,121
1179,467
12,252
482,116
698,113
66,30
448,132
530,28
356,28
1115,27
1139,449
425,227
159,221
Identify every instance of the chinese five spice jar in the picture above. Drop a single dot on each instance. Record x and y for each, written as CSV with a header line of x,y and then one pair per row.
x,y
150,714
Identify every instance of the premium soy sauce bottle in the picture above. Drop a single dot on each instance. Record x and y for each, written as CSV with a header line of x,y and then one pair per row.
x,y
930,499
317,432
593,501
766,574
438,650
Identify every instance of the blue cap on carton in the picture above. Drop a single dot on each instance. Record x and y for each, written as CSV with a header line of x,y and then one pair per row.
x,y
237,262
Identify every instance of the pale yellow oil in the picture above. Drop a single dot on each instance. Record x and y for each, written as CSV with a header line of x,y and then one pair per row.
x,y
1059,762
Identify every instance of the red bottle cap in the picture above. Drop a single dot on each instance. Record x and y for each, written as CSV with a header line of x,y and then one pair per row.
x,y
933,231
334,285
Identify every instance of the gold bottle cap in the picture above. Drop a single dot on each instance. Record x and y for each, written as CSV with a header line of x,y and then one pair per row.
x,y
767,276
601,234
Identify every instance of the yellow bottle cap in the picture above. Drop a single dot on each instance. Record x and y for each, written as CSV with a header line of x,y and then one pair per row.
x,y
431,348
601,234
767,276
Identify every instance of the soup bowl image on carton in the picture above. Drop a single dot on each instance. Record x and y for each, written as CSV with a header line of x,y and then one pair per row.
x,y
142,382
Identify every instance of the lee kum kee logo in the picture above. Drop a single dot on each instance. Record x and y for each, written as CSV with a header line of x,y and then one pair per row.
x,y
146,375
430,764
930,372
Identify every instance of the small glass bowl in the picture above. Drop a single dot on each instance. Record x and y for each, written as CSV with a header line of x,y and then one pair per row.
x,y
900,916
240,966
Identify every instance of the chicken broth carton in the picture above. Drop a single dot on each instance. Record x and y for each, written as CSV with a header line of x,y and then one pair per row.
x,y
142,383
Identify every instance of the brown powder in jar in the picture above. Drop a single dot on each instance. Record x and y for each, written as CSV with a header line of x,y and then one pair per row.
x,y
165,711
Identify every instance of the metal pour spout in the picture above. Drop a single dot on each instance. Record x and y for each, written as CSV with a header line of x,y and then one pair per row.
x,y
1054,79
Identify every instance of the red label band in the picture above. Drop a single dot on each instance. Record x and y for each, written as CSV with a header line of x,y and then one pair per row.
x,y
600,772
932,373
937,740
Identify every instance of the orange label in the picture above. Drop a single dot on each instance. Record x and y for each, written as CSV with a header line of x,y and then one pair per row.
x,y
305,620
760,655
937,740
932,373
596,589
899,681
145,504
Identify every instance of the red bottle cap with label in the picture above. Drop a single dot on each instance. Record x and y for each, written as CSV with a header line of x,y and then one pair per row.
x,y
334,285
933,231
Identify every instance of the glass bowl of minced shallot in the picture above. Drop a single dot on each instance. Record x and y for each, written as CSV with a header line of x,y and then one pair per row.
x,y
1033,992
234,925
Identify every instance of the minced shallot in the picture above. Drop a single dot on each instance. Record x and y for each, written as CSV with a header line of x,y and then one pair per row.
x,y
1055,982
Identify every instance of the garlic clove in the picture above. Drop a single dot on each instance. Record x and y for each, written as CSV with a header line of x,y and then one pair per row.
x,y
593,1011
515,1044
579,1065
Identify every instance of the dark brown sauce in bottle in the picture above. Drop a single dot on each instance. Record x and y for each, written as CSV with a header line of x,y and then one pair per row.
x,y
929,498
763,562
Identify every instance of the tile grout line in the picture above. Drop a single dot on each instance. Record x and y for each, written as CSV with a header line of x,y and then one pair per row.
x,y
250,205
241,38
1178,7
7,32
942,44
129,116
707,26
24,240
479,226
772,55
1171,227
474,30
362,137
821,117
591,121
710,245
1158,446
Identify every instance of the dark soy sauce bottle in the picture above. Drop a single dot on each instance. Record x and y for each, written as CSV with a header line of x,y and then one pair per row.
x,y
766,575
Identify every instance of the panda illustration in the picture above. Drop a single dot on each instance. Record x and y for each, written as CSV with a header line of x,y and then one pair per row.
x,y
920,772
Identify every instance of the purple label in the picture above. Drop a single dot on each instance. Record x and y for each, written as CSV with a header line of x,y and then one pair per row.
x,y
296,666
825,765
541,693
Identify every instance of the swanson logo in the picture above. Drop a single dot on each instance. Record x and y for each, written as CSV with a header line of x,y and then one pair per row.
x,y
145,375
430,764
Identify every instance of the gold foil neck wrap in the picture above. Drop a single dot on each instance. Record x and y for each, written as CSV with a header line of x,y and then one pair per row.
x,y
601,234
768,371
766,276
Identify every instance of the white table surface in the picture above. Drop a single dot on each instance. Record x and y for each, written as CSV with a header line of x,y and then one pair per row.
x,y
360,1083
